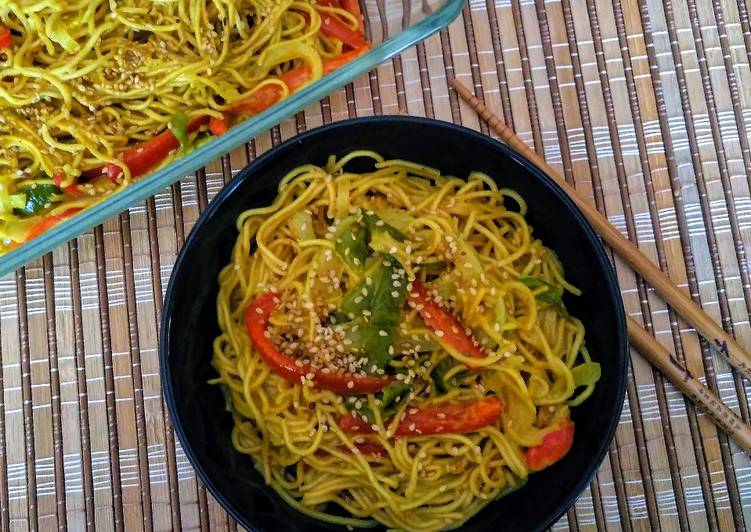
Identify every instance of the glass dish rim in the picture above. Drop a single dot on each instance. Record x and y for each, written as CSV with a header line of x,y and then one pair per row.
x,y
162,178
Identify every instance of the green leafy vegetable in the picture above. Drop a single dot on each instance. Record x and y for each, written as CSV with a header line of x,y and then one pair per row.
x,y
442,385
586,374
418,343
18,201
396,218
301,224
371,340
393,395
353,237
58,33
467,260
179,127
500,312
360,406
383,242
38,198
374,308
391,398
433,267
389,290
553,295
351,243
376,224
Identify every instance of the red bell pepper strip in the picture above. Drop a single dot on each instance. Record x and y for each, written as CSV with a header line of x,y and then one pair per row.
x,y
218,126
370,448
449,419
353,6
49,222
72,190
333,26
268,95
6,38
256,319
144,157
554,446
450,331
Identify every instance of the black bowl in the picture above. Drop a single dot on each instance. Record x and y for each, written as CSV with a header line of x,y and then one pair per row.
x,y
189,324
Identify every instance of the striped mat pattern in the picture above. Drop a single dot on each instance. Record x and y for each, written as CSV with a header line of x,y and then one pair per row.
x,y
644,105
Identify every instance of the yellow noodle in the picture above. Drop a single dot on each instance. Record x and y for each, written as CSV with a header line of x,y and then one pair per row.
x,y
532,346
82,81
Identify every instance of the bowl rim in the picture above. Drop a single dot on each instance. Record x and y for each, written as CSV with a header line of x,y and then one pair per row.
x,y
390,121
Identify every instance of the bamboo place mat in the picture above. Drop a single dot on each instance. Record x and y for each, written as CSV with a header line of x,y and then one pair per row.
x,y
643,105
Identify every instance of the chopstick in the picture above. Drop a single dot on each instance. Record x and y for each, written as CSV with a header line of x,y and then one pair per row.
x,y
644,342
691,387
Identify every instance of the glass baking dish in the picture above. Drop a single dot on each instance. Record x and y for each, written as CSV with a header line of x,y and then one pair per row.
x,y
391,25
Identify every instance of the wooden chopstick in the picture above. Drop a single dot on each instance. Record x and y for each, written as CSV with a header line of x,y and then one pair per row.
x,y
650,348
692,387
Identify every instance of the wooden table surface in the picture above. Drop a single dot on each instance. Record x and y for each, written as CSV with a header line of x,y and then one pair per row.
x,y
643,105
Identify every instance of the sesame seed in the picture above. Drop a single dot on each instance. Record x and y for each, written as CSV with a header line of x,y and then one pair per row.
x,y
439,334
350,384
